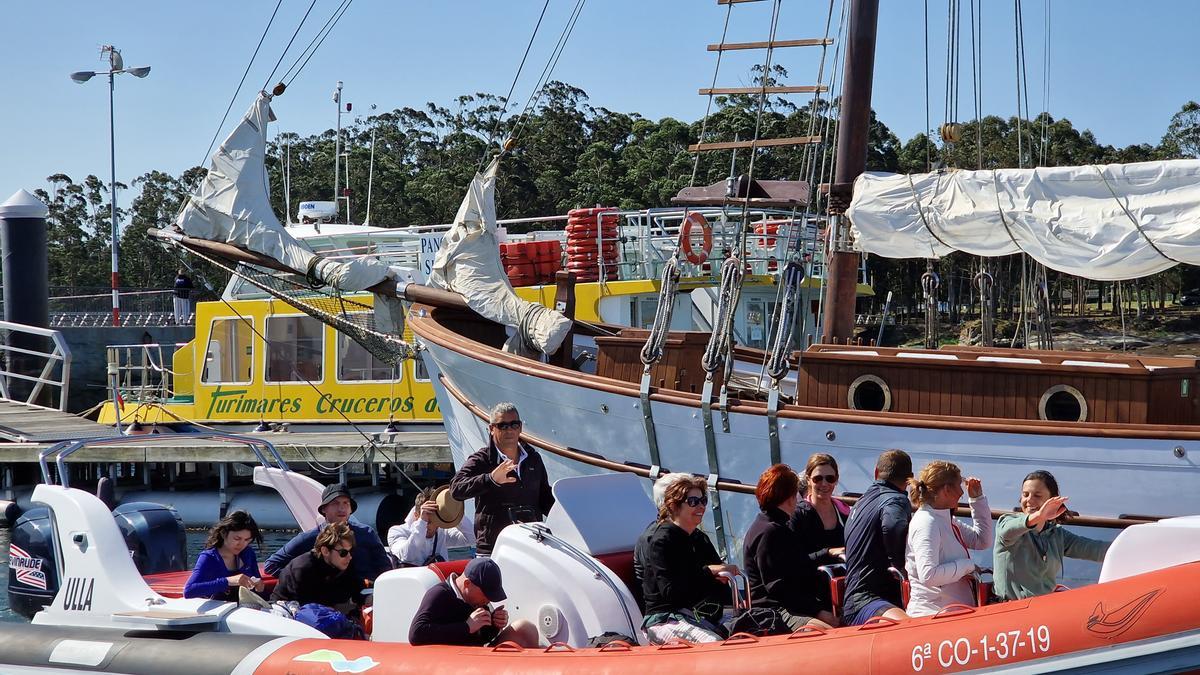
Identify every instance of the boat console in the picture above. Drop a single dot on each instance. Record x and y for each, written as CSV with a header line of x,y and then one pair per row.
x,y
569,576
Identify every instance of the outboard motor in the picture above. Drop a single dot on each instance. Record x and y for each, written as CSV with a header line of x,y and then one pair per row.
x,y
154,533
32,566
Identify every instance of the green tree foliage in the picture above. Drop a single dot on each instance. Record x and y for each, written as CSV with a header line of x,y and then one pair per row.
x,y
1184,131
571,154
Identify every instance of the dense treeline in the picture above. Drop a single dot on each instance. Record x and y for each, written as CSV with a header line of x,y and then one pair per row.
x,y
569,153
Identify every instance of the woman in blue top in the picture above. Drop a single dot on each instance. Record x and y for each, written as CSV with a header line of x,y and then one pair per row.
x,y
227,561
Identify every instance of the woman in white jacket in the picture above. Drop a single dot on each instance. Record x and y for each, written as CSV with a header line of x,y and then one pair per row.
x,y
938,560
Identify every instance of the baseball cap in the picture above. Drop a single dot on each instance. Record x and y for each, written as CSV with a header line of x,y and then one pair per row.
x,y
485,573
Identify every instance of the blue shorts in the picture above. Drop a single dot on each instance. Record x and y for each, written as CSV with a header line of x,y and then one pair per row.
x,y
869,611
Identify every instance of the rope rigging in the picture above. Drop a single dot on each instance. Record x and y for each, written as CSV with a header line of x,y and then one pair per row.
x,y
508,97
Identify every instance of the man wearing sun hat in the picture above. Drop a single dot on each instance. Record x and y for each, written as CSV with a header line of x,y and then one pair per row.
x,y
456,611
435,524
370,558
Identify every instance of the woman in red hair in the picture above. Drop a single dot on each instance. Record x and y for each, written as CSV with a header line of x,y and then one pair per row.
x,y
782,576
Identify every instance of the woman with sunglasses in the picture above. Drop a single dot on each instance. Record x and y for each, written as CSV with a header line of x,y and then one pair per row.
x,y
678,567
324,575
227,562
507,480
781,574
820,518
1031,544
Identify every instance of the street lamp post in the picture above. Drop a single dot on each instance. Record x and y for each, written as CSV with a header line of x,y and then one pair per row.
x,y
116,66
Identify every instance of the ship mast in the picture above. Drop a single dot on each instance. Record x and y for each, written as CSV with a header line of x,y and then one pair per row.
x,y
841,272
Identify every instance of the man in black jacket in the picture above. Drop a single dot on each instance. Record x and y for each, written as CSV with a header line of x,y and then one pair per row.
x,y
876,538
323,575
456,612
506,479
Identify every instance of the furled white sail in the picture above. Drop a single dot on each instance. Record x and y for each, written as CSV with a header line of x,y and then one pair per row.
x,y
469,263
233,206
1117,221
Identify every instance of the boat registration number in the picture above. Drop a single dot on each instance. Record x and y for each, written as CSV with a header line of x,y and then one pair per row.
x,y
988,648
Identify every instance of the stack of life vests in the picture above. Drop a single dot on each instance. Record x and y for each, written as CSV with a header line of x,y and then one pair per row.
x,y
531,262
591,239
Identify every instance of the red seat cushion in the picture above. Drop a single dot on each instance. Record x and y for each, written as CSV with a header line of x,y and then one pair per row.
x,y
621,564
170,584
837,592
445,569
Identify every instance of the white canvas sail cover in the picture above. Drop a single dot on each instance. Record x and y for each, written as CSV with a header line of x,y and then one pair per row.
x,y
1111,222
469,263
233,206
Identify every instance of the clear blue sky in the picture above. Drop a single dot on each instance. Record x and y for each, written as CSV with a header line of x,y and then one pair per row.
x,y
1118,68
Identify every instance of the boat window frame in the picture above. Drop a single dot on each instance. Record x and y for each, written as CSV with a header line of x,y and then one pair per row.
x,y
266,331
1058,389
204,355
337,361
875,379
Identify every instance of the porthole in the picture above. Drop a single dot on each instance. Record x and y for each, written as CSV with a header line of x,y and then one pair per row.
x,y
1062,403
870,393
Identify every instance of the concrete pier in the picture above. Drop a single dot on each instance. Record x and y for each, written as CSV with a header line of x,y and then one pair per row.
x,y
417,447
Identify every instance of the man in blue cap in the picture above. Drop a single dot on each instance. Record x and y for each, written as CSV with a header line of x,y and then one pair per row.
x,y
456,612
370,558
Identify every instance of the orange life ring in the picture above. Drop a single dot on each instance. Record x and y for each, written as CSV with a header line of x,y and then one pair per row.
x,y
693,220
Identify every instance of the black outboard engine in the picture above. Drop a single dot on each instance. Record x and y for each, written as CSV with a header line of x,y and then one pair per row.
x,y
32,566
155,536
154,533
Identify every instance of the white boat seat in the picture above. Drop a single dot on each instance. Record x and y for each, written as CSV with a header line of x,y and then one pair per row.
x,y
1152,546
398,594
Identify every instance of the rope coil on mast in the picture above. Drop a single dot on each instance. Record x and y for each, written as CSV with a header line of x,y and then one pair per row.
x,y
652,351
782,336
716,353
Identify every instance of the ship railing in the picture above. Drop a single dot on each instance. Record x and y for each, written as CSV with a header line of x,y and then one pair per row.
x,y
128,319
143,372
646,240
57,360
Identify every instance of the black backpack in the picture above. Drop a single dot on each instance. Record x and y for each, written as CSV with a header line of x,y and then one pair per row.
x,y
758,621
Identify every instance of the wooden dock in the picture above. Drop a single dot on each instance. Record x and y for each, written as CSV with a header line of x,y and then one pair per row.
x,y
24,423
295,448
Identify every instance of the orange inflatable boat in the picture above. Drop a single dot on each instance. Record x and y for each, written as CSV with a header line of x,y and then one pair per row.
x,y
570,576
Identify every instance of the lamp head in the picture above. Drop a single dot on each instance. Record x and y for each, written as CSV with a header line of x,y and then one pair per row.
x,y
140,71
82,76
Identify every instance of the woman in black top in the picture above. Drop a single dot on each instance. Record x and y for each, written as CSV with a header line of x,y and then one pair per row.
x,y
820,518
781,574
678,567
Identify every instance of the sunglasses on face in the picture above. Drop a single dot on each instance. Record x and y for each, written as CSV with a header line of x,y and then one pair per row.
x,y
693,502
343,552
825,479
505,426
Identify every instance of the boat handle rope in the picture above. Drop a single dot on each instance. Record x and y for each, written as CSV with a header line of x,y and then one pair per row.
x,y
652,352
714,466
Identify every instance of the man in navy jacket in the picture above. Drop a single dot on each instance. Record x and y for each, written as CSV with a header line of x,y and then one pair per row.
x,y
876,537
370,558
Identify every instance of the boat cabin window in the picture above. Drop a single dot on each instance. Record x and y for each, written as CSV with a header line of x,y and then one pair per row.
x,y
230,353
356,364
420,372
1063,403
295,349
869,392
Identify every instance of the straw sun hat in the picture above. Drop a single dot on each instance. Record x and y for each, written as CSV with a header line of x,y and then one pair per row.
x,y
449,510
